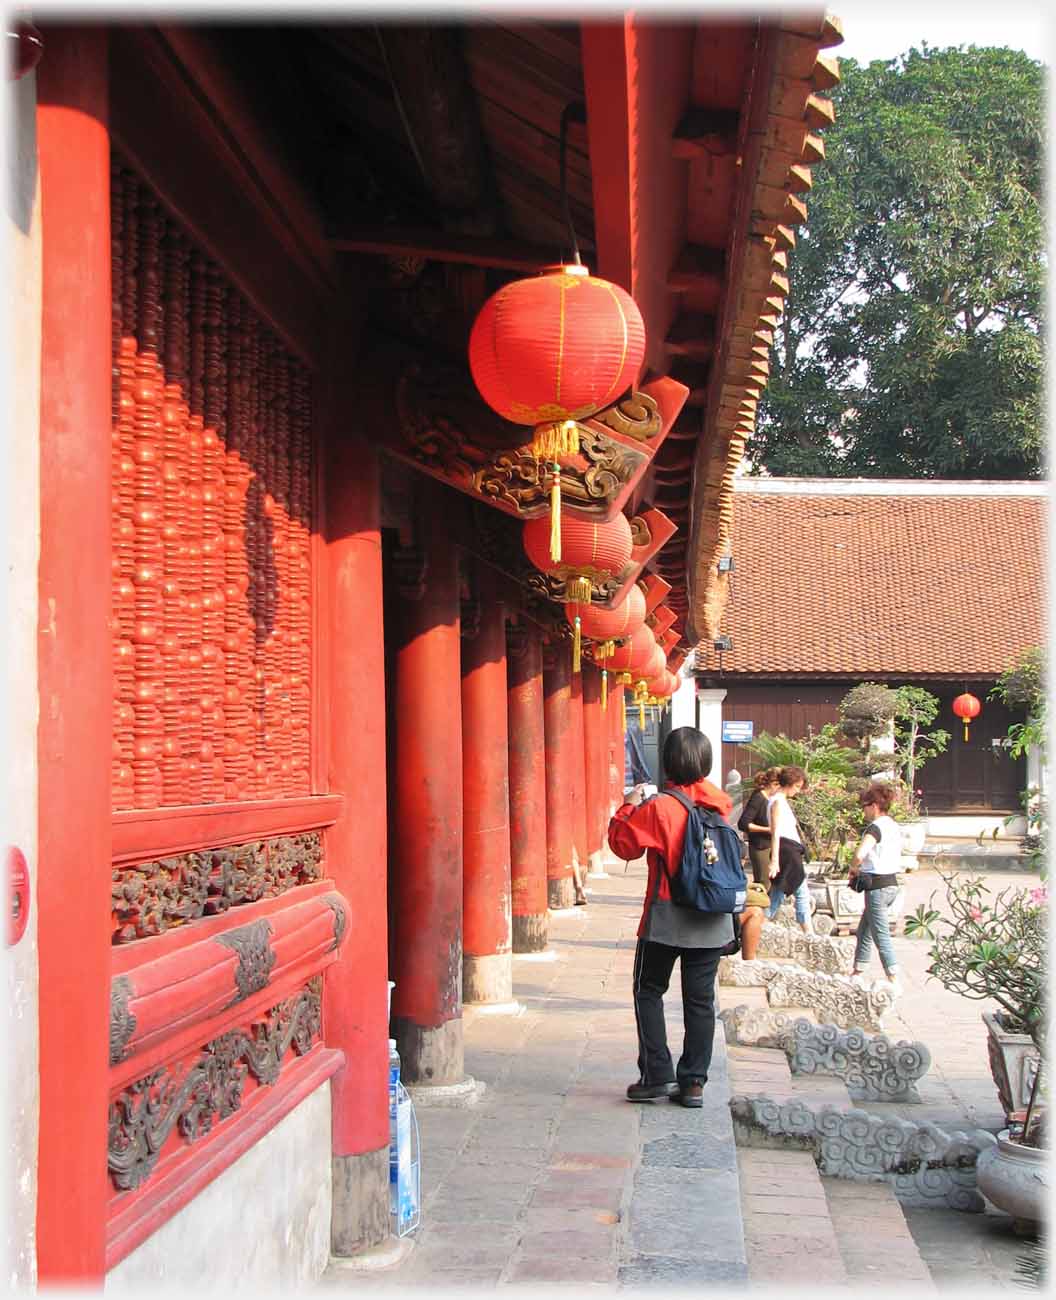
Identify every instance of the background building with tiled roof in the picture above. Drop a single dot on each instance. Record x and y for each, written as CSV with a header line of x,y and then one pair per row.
x,y
838,581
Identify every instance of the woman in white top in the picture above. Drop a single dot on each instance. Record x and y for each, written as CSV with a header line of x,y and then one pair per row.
x,y
876,865
788,875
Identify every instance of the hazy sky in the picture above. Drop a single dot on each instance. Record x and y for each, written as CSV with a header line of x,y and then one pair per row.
x,y
873,31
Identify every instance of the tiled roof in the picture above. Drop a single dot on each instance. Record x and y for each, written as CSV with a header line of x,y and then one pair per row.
x,y
886,584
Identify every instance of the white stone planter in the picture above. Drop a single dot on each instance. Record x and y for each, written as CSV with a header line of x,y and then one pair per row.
x,y
1015,1179
913,836
1013,1064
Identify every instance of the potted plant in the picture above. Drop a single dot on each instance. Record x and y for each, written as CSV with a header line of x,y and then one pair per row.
x,y
992,946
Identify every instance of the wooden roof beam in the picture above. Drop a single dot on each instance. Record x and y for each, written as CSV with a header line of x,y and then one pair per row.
x,y
698,267
706,131
692,335
443,246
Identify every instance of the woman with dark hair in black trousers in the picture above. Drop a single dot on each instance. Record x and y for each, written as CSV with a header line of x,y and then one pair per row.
x,y
667,932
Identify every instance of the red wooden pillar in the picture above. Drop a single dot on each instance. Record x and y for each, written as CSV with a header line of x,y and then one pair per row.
x,y
487,962
579,778
426,813
557,708
75,654
596,759
617,755
355,994
531,924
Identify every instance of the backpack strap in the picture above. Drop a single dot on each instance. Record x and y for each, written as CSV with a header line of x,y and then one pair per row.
x,y
690,808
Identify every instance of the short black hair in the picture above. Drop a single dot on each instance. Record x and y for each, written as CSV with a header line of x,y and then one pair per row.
x,y
687,755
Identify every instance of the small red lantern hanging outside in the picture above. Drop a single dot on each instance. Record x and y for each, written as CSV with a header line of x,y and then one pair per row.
x,y
590,552
967,707
606,627
551,350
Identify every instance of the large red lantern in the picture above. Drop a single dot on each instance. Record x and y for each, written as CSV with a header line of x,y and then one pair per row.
x,y
556,347
553,349
967,707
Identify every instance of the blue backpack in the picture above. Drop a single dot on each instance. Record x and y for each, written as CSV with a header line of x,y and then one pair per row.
x,y
709,877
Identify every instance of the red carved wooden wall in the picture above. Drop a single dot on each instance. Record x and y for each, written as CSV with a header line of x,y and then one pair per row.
x,y
212,609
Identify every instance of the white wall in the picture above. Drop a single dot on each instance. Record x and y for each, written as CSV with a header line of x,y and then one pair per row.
x,y
264,1223
19,551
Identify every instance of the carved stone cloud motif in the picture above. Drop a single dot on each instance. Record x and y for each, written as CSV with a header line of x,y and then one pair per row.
x,y
925,1166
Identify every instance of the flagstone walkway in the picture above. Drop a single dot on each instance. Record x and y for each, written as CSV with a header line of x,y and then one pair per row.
x,y
553,1178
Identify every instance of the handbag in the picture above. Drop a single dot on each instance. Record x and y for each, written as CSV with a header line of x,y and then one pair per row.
x,y
757,895
732,948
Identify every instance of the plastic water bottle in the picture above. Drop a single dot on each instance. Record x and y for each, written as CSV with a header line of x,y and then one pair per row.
x,y
394,1149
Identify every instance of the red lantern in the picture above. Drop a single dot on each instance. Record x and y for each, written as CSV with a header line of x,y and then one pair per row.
x,y
590,553
634,655
551,350
606,627
556,347
967,707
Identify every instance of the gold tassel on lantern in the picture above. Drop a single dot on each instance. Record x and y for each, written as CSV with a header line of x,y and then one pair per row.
x,y
605,690
550,441
576,647
623,710
555,515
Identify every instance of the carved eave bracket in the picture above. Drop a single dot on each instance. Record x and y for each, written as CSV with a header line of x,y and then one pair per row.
x,y
445,429
497,541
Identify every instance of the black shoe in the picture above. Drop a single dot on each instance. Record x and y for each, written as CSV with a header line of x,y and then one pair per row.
x,y
651,1091
581,900
692,1094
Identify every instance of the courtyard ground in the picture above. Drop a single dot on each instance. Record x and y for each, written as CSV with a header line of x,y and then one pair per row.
x,y
553,1178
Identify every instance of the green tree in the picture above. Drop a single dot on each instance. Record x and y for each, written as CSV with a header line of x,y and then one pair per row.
x,y
911,340
915,709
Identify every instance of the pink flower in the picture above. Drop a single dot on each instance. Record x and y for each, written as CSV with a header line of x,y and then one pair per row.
x,y
975,913
1039,895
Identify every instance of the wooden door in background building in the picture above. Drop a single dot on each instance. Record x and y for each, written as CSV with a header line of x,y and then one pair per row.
x,y
977,775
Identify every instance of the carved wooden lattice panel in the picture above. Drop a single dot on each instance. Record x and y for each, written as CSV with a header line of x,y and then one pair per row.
x,y
212,607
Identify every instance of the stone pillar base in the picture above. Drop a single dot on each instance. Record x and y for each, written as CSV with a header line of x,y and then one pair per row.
x,y
430,1056
466,1092
596,866
561,893
360,1216
487,979
392,1251
531,933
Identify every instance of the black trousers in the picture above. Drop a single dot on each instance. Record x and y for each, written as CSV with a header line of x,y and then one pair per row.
x,y
653,964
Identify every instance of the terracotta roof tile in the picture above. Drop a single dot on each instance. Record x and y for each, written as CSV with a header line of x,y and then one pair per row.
x,y
956,590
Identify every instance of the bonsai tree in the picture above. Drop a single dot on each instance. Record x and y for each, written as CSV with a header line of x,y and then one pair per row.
x,y
916,709
867,711
990,946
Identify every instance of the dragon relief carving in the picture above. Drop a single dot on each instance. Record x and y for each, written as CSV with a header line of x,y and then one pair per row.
x,y
436,407
145,1114
256,956
149,898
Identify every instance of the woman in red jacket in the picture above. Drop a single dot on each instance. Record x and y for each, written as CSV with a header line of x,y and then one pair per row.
x,y
668,932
